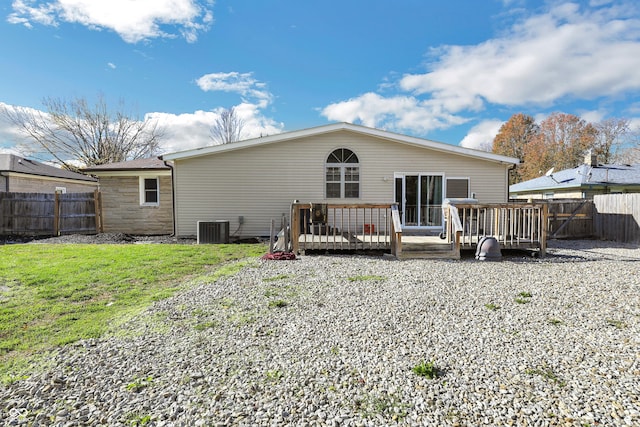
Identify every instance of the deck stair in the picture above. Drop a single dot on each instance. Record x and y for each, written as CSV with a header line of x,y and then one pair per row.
x,y
426,247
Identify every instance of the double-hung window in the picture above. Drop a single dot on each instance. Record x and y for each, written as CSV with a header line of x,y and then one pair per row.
x,y
342,175
149,191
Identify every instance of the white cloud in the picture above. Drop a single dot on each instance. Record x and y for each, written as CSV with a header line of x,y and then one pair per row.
x,y
9,133
192,130
634,124
255,97
393,113
134,21
481,136
566,53
235,82
593,116
9,136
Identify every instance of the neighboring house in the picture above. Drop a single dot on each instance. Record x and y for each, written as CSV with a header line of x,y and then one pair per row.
x,y
20,175
581,182
137,196
249,183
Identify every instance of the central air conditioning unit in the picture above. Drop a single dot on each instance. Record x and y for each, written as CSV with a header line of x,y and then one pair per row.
x,y
213,232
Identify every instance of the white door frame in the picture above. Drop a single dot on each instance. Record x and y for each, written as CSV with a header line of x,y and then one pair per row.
x,y
413,217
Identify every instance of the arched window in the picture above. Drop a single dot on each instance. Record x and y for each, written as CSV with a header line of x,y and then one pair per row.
x,y
342,175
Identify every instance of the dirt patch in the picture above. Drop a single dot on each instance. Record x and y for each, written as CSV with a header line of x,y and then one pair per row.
x,y
113,238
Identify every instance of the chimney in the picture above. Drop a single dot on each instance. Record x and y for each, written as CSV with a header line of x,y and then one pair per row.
x,y
591,159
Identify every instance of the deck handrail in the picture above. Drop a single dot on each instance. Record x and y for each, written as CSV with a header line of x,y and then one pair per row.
x,y
454,227
396,231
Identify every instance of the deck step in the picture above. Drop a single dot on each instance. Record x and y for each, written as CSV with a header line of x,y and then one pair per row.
x,y
429,255
428,251
442,247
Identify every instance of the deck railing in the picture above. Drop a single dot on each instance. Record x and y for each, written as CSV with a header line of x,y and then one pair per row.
x,y
377,226
396,231
453,229
514,225
333,226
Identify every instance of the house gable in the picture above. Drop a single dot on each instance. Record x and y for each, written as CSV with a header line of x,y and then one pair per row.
x,y
258,181
338,127
18,174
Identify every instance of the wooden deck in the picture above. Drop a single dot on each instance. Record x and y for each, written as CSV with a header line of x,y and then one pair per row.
x,y
376,227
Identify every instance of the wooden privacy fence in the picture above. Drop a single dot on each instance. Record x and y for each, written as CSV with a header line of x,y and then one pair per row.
x,y
571,219
41,214
617,217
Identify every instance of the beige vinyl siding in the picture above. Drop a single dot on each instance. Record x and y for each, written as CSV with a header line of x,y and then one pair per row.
x,y
121,208
259,183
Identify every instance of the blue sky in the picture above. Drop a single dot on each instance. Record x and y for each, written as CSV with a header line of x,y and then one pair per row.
x,y
449,71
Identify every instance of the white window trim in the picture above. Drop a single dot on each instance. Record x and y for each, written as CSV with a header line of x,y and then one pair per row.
x,y
343,167
142,191
467,178
343,182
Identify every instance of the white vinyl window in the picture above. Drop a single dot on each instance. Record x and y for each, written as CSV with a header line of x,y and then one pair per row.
x,y
342,175
149,191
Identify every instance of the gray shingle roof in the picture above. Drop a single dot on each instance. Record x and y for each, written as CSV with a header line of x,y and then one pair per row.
x,y
582,176
17,164
150,163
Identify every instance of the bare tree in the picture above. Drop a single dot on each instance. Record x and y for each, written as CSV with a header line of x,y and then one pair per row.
x,y
227,128
629,153
612,133
73,132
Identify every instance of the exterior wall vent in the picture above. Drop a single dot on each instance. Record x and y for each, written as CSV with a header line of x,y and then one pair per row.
x,y
213,232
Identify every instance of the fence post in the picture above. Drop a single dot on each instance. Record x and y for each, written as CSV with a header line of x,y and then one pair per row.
x,y
97,205
56,214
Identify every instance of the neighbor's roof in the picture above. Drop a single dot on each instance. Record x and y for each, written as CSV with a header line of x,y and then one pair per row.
x,y
581,177
335,127
17,164
150,163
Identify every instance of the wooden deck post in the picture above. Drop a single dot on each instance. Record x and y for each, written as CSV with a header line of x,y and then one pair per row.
x,y
295,228
543,235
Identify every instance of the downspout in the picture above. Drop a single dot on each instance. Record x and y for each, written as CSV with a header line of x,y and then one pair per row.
x,y
509,169
173,197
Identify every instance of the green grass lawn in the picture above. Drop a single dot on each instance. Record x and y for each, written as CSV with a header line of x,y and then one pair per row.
x,y
51,295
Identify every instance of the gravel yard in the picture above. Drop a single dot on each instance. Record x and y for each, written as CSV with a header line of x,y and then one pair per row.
x,y
337,340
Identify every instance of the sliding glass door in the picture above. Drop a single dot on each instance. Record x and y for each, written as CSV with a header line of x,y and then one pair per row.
x,y
419,197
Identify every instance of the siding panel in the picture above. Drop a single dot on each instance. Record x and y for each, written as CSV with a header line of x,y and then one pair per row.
x,y
121,208
261,182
